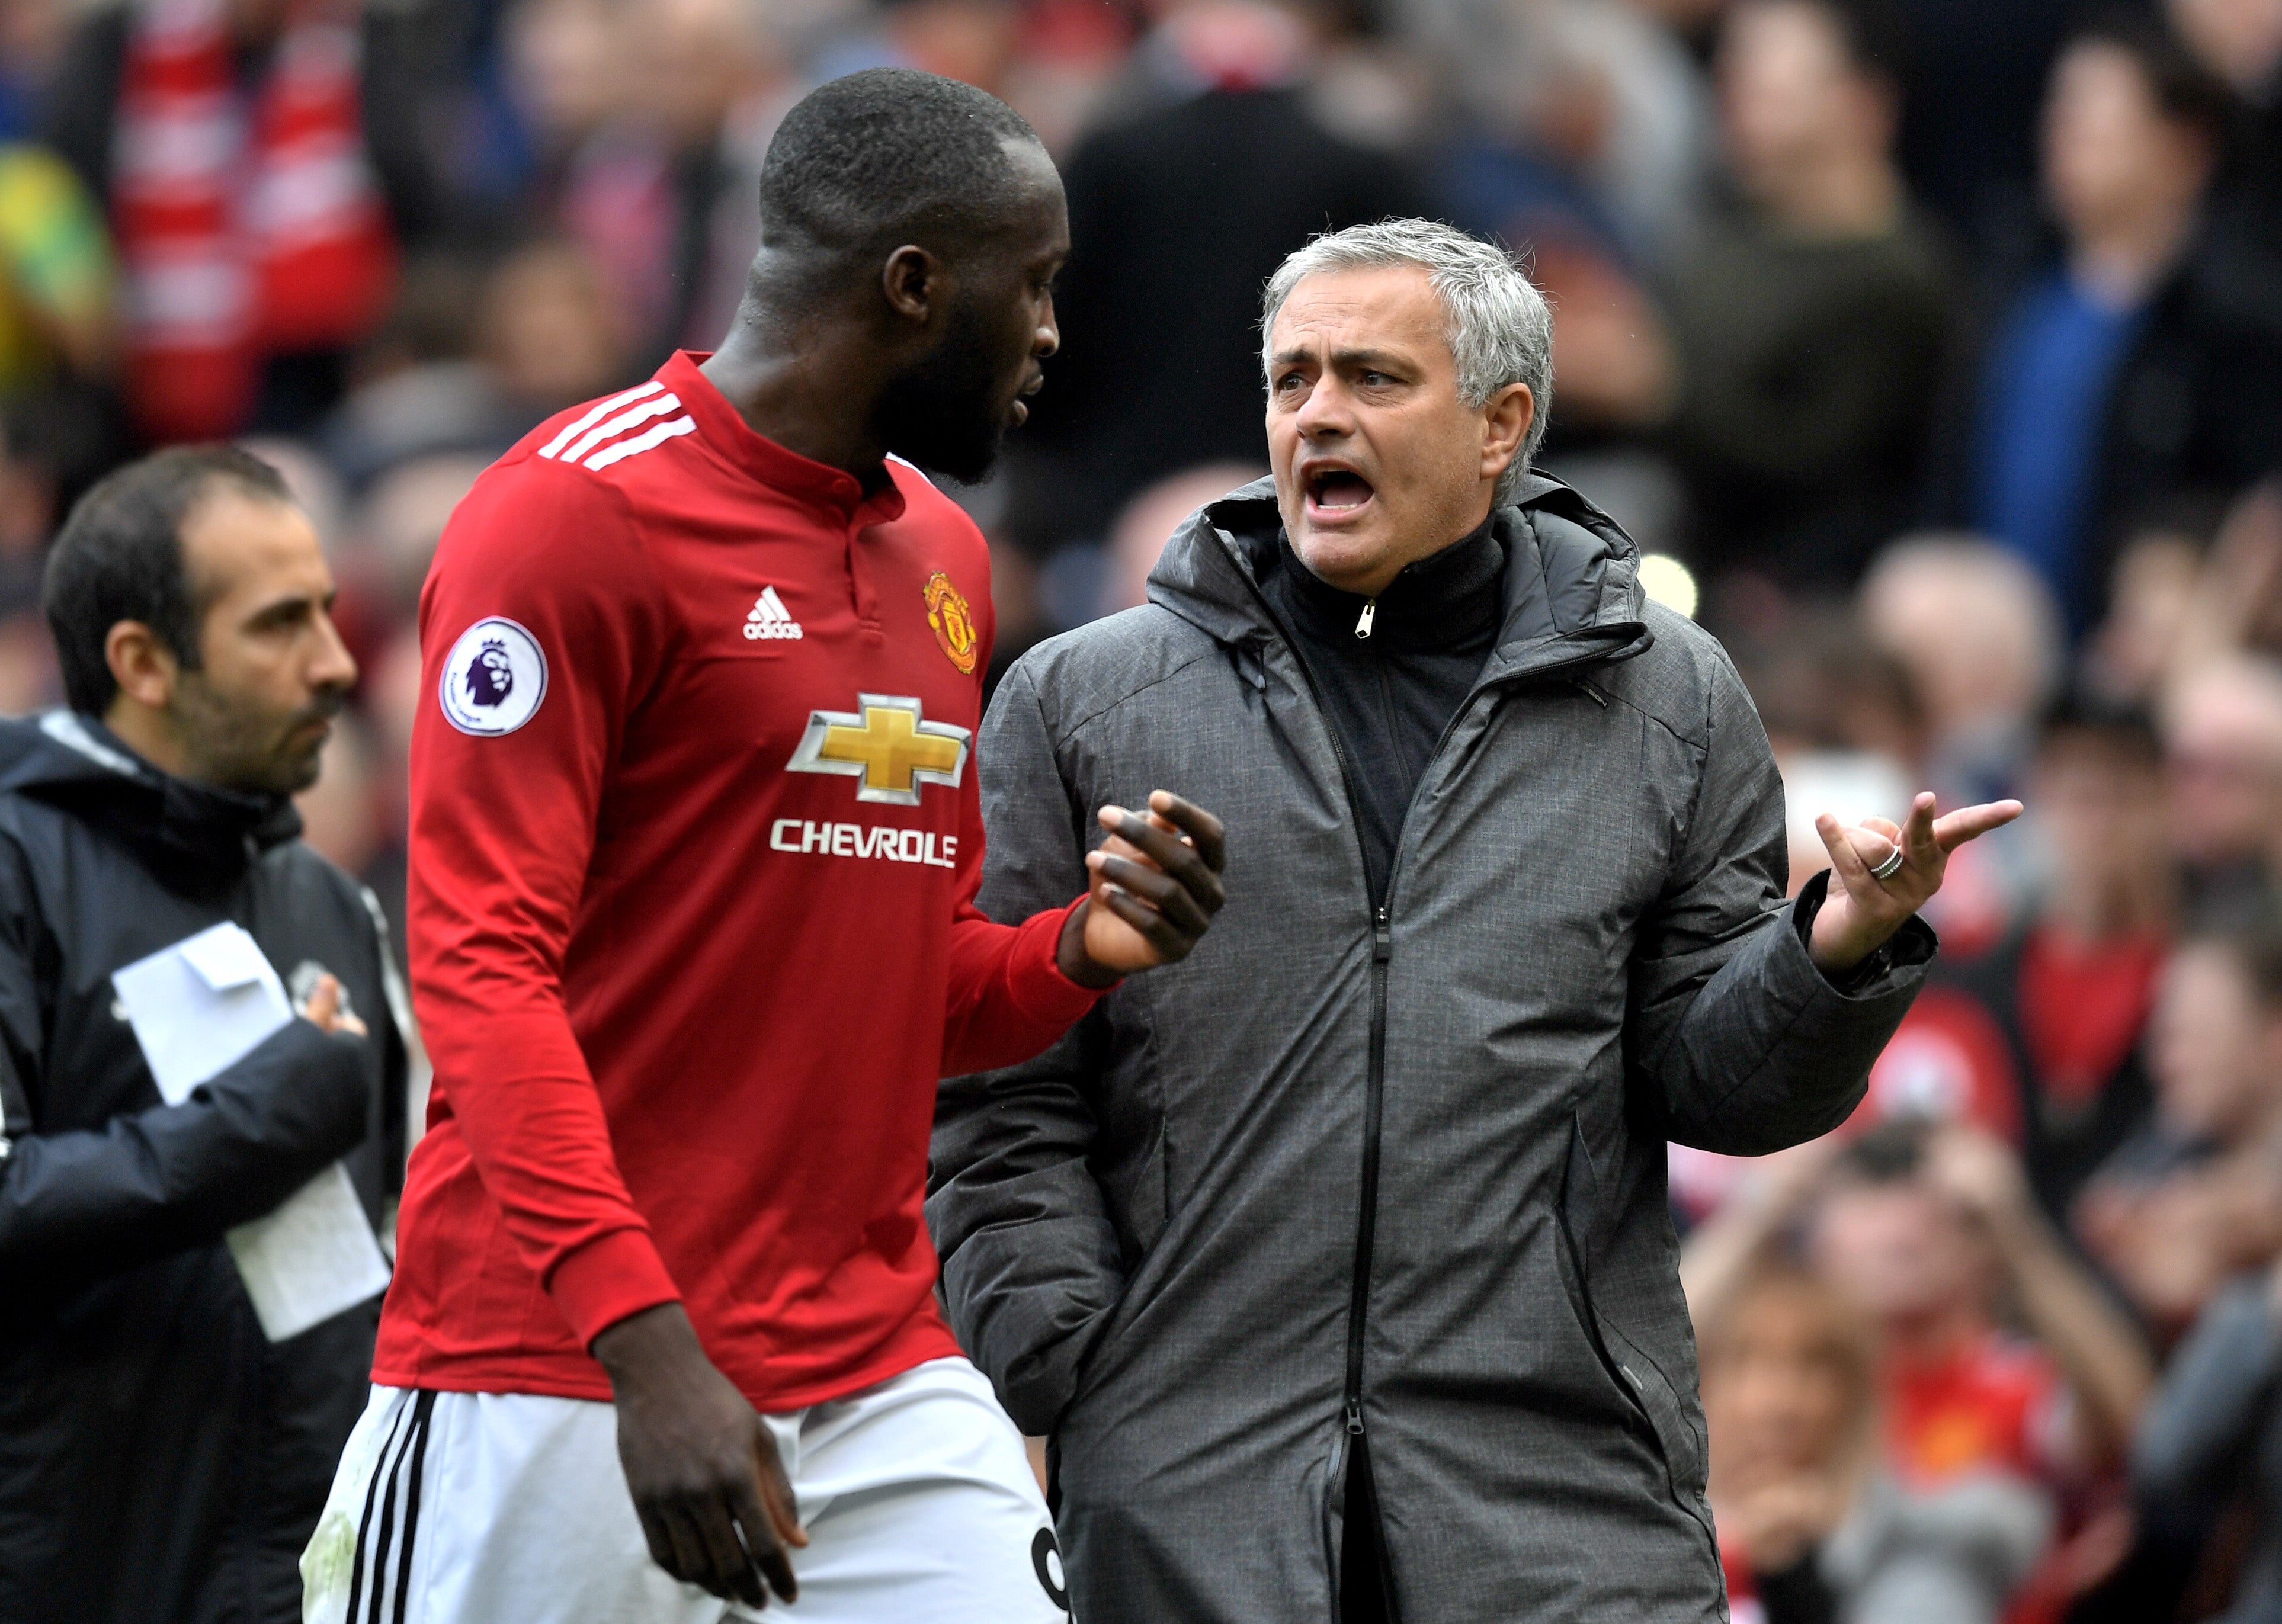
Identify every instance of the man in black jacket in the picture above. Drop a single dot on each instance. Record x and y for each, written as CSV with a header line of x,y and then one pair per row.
x,y
160,1459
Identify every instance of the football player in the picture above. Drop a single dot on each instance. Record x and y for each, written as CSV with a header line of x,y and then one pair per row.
x,y
695,842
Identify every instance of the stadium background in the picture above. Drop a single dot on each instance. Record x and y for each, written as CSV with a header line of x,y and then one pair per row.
x,y
1933,348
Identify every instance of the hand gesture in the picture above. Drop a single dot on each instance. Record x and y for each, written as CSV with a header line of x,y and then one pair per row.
x,y
323,1010
712,1497
1153,888
1871,896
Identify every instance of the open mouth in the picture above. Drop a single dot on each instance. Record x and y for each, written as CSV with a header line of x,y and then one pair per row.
x,y
1338,491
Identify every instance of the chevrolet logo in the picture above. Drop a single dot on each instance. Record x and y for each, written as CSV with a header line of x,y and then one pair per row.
x,y
887,745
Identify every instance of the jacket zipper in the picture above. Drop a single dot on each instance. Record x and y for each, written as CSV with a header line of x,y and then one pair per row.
x,y
1382,940
1382,948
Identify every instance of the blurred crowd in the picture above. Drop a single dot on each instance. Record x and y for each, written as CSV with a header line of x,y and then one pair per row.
x,y
1934,347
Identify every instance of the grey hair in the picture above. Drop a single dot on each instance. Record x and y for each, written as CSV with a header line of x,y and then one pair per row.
x,y
1499,326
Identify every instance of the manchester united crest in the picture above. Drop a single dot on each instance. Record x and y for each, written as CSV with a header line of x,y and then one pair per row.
x,y
953,622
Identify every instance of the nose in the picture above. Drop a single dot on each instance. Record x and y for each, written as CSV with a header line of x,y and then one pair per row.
x,y
1324,415
332,669
1048,338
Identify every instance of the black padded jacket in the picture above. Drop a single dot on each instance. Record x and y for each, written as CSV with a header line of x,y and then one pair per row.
x,y
159,1459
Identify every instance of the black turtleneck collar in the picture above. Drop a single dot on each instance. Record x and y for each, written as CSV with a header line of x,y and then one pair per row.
x,y
1388,697
1448,600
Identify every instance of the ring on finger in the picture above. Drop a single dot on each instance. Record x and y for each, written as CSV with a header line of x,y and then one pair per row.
x,y
1891,867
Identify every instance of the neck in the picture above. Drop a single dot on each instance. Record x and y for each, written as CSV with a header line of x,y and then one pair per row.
x,y
1447,600
805,387
1845,193
150,734
2120,259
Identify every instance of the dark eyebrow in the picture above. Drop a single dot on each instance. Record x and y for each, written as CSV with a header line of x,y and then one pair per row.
x,y
288,607
1341,358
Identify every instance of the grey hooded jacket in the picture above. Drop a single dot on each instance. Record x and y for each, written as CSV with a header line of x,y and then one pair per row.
x,y
1401,1174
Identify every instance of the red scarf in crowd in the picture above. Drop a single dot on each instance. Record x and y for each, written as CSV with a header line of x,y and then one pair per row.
x,y
248,219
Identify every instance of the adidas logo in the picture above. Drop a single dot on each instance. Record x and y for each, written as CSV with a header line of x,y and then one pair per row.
x,y
770,618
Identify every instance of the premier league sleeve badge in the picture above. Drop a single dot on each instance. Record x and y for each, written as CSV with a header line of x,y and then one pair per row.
x,y
493,679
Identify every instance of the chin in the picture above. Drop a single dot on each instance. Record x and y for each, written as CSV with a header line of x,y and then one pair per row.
x,y
1339,557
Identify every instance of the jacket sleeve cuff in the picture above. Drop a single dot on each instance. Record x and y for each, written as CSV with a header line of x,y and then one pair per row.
x,y
608,1280
1907,949
1033,972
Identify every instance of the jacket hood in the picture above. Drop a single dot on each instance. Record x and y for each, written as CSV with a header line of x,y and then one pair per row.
x,y
1572,584
188,832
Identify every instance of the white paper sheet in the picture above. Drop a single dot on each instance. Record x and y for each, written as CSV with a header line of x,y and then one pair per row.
x,y
201,1005
313,1257
199,1008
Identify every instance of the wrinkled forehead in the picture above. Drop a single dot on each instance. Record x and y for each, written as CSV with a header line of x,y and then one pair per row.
x,y
1360,308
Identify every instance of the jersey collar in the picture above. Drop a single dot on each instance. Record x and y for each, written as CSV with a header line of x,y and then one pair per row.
x,y
835,491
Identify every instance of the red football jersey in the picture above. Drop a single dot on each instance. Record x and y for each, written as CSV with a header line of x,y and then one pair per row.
x,y
694,843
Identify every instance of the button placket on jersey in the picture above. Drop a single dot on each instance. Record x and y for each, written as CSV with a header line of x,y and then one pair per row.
x,y
859,577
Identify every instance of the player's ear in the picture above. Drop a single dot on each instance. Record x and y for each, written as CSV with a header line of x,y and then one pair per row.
x,y
913,283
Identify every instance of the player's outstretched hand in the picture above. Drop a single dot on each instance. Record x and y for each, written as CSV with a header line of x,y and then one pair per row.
x,y
701,1462
1860,911
1153,888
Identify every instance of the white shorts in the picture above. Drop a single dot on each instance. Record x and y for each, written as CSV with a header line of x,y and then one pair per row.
x,y
509,1508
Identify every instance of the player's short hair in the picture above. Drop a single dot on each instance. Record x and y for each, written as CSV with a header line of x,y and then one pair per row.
x,y
119,557
890,152
1499,326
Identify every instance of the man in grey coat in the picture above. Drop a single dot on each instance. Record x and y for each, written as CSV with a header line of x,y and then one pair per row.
x,y
1335,1262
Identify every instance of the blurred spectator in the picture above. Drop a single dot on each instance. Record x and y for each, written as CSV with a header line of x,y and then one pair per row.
x,y
2223,740
1693,23
1150,518
1178,215
1583,148
2212,1438
1820,684
1601,96
471,363
2071,988
2196,1195
1979,636
2153,595
1811,320
32,36
544,334
1789,1405
650,121
1987,1439
2126,367
399,521
56,276
2238,600
29,679
2241,40
1968,129
1611,350
257,170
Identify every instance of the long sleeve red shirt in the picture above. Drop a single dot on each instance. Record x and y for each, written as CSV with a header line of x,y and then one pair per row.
x,y
694,843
